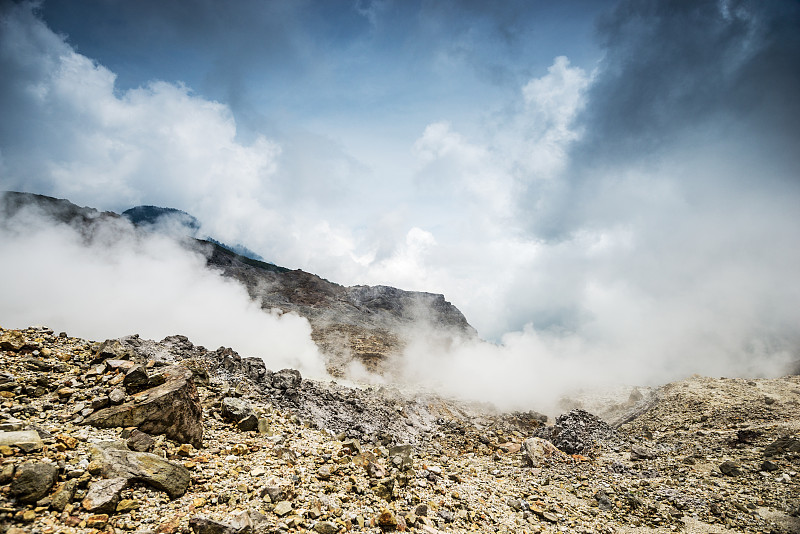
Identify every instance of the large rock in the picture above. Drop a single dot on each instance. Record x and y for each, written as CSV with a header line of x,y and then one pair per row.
x,y
537,450
172,409
32,481
577,432
114,348
118,461
235,409
27,440
286,379
14,341
103,495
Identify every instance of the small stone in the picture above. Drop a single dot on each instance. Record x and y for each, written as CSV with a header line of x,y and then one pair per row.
x,y
140,441
769,466
731,469
7,473
98,521
324,472
401,456
351,446
126,505
386,520
248,423
639,452
235,409
282,508
326,527
63,495
538,450
185,450
117,396
263,426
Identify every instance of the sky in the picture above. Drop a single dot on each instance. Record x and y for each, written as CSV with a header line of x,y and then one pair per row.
x,y
596,180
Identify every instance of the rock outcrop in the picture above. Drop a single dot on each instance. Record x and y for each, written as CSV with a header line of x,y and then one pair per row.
x,y
172,409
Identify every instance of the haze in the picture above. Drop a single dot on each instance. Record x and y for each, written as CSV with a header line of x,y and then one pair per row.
x,y
603,188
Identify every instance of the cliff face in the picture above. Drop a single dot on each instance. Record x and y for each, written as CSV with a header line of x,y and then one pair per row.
x,y
367,324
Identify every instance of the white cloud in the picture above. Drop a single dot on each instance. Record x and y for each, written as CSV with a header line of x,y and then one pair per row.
x,y
121,282
682,261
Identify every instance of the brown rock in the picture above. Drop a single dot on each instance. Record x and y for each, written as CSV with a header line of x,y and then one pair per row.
x,y
117,461
98,521
63,495
172,409
386,520
14,341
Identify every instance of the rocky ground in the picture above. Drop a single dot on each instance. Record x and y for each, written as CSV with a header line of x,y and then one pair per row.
x,y
142,436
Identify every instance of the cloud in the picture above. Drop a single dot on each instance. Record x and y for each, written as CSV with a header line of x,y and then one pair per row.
x,y
120,281
71,133
633,219
672,68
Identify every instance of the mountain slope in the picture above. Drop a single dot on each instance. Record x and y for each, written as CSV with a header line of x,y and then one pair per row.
x,y
366,324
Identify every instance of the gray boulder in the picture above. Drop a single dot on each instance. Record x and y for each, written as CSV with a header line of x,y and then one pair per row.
x,y
103,495
235,409
118,461
172,409
286,379
27,440
32,481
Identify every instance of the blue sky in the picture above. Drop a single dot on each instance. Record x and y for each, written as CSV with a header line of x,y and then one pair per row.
x,y
618,174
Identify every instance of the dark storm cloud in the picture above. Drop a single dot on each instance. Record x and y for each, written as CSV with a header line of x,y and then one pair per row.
x,y
673,66
678,79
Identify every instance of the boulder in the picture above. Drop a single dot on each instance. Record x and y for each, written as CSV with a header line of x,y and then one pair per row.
x,y
576,432
103,495
14,341
172,409
32,481
116,460
537,450
235,409
27,440
286,379
64,494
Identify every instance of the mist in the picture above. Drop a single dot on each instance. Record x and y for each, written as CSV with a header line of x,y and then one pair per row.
x,y
621,212
117,281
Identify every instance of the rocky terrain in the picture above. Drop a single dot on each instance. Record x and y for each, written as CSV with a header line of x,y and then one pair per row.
x,y
132,435
369,324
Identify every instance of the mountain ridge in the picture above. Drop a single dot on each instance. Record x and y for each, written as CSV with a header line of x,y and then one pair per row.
x,y
367,324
